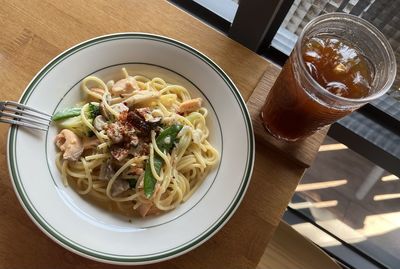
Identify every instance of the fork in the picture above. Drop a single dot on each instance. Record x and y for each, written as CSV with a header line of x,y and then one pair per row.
x,y
22,115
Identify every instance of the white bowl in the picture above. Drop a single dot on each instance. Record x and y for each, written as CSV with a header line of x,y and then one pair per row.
x,y
89,231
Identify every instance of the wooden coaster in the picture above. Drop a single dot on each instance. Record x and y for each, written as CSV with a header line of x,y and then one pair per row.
x,y
304,150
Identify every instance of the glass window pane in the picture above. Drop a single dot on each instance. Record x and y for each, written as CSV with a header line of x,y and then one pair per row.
x,y
224,8
353,199
384,14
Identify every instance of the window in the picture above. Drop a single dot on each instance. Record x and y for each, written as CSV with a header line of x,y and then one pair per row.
x,y
224,8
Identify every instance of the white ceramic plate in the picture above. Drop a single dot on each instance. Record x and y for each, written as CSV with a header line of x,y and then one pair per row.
x,y
92,232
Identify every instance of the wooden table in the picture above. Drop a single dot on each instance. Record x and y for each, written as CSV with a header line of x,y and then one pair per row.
x,y
33,32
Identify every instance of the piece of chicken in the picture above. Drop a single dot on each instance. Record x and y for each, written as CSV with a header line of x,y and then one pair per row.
x,y
125,85
115,131
69,143
97,90
190,105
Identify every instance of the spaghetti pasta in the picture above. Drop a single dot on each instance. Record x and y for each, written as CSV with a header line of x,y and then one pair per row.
x,y
139,145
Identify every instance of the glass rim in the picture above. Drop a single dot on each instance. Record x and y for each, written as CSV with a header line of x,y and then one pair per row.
x,y
387,48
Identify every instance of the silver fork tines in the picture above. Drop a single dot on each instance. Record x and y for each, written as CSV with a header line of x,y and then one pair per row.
x,y
19,114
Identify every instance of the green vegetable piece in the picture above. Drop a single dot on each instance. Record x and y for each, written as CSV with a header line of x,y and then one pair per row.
x,y
165,142
132,182
90,133
149,179
93,110
67,113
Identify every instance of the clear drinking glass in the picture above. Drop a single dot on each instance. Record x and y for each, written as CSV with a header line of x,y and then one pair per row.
x,y
297,105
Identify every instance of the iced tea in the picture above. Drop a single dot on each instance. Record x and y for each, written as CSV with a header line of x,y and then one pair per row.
x,y
339,63
339,68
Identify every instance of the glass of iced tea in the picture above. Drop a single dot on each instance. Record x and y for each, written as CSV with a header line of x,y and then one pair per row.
x,y
340,62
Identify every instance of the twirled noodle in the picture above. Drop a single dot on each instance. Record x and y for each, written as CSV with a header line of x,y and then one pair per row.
x,y
183,168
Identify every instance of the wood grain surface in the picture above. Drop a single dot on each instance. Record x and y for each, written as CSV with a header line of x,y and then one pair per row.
x,y
287,246
33,32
